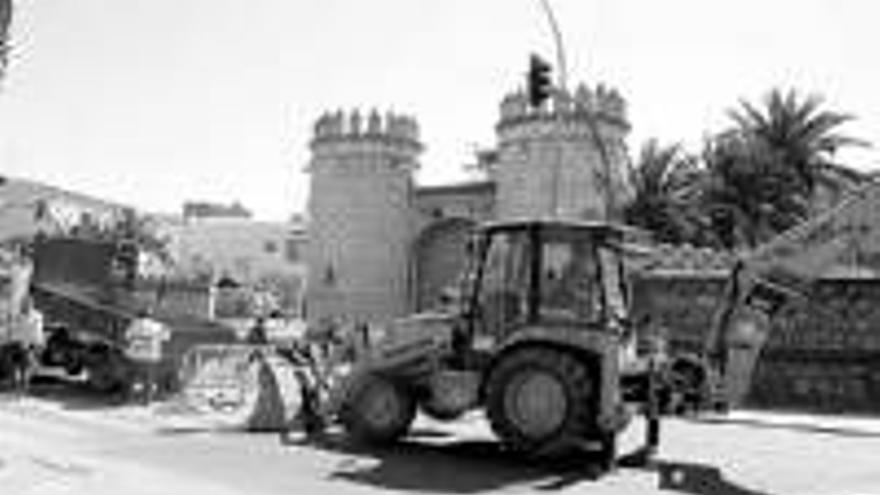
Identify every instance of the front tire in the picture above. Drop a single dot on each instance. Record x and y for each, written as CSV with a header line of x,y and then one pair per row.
x,y
377,410
542,401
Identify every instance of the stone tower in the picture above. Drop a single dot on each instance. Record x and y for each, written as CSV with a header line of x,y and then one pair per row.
x,y
360,226
549,162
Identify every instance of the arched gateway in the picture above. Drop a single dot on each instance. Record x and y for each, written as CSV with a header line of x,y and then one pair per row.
x,y
439,256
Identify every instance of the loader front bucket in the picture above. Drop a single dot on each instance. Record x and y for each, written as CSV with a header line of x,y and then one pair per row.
x,y
240,386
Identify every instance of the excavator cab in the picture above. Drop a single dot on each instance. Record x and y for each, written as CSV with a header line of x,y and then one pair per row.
x,y
547,274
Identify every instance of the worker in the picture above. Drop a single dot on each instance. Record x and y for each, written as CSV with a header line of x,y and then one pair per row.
x,y
145,336
29,341
23,325
257,334
307,372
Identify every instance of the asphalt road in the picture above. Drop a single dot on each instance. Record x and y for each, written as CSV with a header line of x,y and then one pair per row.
x,y
74,443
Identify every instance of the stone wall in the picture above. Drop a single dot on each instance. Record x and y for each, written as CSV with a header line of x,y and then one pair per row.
x,y
822,354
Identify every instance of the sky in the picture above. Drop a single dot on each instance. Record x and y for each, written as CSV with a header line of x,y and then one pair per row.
x,y
156,102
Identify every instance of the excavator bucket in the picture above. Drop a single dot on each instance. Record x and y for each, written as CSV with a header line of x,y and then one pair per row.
x,y
240,386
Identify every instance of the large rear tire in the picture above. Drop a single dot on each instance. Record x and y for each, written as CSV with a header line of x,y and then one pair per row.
x,y
542,401
377,410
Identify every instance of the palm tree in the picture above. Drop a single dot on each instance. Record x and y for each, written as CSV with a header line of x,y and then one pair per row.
x,y
663,181
745,192
799,131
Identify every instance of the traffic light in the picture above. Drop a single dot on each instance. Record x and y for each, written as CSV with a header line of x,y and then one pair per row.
x,y
538,82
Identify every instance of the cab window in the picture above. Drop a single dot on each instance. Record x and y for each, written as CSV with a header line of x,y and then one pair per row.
x,y
569,280
503,295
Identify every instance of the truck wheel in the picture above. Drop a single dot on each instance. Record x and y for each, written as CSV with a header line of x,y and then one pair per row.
x,y
73,367
377,410
106,371
541,401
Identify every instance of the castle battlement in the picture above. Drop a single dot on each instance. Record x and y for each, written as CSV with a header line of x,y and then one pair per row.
x,y
601,102
356,126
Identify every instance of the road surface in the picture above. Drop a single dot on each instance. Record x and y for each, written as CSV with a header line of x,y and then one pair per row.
x,y
69,443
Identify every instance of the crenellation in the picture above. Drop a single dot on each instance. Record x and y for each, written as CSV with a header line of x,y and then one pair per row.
x,y
583,98
559,147
354,126
374,123
603,102
357,126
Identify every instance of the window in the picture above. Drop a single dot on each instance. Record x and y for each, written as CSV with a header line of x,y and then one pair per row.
x,y
505,282
616,290
569,282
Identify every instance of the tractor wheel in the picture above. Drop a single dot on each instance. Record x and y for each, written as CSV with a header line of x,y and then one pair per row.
x,y
541,401
377,410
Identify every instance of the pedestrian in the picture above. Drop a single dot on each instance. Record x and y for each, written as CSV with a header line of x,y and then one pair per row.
x,y
257,334
309,418
29,341
145,336
23,323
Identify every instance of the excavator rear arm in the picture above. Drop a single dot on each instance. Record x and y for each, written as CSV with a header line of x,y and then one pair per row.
x,y
787,267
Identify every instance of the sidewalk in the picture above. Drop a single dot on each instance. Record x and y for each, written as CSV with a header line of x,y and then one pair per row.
x,y
818,423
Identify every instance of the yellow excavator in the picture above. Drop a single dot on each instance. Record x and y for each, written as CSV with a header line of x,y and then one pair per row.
x,y
540,339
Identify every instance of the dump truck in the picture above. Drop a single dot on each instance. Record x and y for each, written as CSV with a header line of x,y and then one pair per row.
x,y
89,290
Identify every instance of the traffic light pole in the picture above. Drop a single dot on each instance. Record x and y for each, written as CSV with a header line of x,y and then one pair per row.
x,y
608,186
560,47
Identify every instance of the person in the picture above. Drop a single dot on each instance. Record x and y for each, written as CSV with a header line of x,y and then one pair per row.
x,y
145,336
29,340
307,372
24,329
257,335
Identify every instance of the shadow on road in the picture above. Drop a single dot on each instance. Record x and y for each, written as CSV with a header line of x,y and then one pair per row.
x,y
447,467
426,465
73,395
686,477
